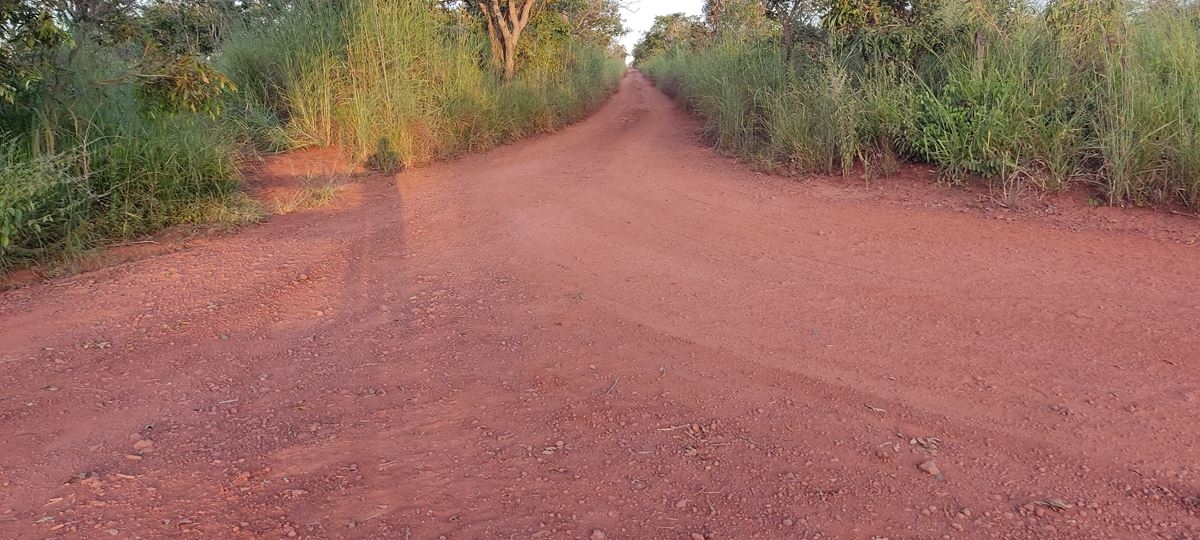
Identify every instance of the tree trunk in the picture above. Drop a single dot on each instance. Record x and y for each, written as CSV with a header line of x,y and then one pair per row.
x,y
789,30
510,60
789,40
493,36
980,51
505,24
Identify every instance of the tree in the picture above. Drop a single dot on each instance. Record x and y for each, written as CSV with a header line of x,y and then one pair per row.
x,y
734,15
667,32
28,35
792,15
856,14
595,21
35,32
506,20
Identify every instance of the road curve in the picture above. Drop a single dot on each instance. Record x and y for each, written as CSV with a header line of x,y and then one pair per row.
x,y
611,329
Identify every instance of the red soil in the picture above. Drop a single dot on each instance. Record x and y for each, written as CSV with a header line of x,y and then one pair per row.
x,y
613,332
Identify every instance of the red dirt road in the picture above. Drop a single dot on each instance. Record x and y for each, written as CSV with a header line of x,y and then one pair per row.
x,y
612,329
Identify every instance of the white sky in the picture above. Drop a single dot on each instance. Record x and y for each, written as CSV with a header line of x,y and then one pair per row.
x,y
641,14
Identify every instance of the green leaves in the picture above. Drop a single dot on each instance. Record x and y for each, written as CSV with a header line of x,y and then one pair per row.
x,y
185,83
28,35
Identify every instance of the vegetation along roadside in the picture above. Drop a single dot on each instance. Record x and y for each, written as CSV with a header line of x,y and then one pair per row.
x,y
122,117
1022,94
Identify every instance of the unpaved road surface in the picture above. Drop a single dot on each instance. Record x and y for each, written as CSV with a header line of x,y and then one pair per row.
x,y
611,329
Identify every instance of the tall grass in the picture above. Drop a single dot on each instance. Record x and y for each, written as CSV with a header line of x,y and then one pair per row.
x,y
87,163
398,84
1104,97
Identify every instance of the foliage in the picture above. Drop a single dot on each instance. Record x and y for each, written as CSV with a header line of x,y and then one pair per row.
x,y
27,34
1009,91
668,32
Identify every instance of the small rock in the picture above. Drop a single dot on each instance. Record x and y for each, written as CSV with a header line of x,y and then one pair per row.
x,y
697,536
788,523
143,444
598,535
930,468
682,503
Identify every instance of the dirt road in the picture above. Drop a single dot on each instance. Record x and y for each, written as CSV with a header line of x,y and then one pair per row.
x,y
612,332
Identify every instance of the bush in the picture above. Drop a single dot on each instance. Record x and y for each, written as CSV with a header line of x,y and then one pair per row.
x,y
94,162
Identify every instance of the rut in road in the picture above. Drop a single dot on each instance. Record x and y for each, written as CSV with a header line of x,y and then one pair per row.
x,y
610,329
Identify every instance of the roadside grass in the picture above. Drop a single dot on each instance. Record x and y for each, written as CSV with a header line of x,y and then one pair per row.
x,y
397,84
1107,96
315,192
110,181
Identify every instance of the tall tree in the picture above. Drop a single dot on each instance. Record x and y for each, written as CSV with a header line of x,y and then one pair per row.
x,y
506,20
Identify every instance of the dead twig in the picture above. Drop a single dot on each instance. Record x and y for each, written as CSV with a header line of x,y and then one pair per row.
x,y
751,442
139,242
614,385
